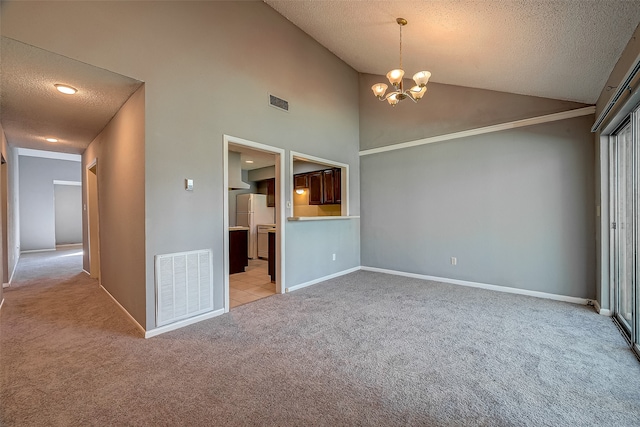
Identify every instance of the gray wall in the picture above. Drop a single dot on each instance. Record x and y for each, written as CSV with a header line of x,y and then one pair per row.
x,y
304,167
68,213
444,109
226,57
119,152
261,174
515,207
37,216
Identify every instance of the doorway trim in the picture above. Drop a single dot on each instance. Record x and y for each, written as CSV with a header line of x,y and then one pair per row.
x,y
280,204
93,246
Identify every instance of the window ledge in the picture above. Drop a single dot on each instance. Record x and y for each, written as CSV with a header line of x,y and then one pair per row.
x,y
320,218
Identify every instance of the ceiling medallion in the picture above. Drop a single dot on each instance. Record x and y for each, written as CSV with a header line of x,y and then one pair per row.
x,y
395,78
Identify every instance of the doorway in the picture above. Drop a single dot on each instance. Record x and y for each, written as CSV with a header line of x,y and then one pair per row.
x,y
625,153
253,221
93,220
4,198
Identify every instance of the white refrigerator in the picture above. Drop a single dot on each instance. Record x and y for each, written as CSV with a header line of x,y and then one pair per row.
x,y
251,210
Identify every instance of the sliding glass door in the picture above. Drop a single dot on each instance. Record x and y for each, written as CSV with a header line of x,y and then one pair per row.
x,y
624,225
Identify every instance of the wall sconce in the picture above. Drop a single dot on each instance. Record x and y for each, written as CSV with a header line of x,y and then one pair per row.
x,y
300,191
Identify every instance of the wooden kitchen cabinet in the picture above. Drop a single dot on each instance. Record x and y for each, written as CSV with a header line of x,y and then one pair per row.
x,y
315,188
300,181
271,192
328,188
324,186
337,185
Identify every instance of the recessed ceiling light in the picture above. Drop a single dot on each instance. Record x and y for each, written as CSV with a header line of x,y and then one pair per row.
x,y
51,139
68,90
248,161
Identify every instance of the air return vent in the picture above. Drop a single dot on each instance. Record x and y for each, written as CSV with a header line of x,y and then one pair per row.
x,y
278,103
184,285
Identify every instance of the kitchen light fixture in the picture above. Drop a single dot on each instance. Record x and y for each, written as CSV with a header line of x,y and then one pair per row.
x,y
300,191
51,139
395,78
248,161
67,90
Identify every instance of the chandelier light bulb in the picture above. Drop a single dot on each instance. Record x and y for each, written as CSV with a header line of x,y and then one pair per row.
x,y
421,78
418,92
393,98
395,76
379,89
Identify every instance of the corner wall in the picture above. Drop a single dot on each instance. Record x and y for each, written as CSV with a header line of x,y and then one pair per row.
x,y
119,152
209,68
515,207
13,217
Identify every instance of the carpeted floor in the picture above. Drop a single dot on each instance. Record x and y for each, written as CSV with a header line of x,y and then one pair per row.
x,y
364,349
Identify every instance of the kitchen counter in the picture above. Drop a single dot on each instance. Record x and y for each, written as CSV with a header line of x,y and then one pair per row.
x,y
321,218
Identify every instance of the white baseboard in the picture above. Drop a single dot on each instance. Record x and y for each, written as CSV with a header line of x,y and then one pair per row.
x,y
15,267
38,250
87,273
5,285
125,311
574,300
599,310
1,302
183,323
66,245
322,279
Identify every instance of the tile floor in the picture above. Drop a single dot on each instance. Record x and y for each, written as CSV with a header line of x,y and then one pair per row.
x,y
253,284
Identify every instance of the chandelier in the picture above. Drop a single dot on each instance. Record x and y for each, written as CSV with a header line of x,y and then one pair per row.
x,y
395,78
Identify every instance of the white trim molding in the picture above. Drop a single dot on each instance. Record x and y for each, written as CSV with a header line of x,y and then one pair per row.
x,y
32,251
570,114
344,179
61,182
599,310
5,285
49,154
183,323
506,289
322,279
135,322
1,303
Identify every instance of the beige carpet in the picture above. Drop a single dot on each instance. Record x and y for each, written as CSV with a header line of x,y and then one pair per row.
x,y
364,349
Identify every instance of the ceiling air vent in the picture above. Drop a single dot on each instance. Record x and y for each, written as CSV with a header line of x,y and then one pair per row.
x,y
279,103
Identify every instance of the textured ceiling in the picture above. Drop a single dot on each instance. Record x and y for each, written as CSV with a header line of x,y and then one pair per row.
x,y
32,109
556,49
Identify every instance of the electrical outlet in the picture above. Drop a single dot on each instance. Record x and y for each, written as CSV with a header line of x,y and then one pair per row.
x,y
454,260
334,257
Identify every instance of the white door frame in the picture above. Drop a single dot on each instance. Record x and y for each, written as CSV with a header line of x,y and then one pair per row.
x,y
95,245
280,204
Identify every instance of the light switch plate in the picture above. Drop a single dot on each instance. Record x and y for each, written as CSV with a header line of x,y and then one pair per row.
x,y
188,184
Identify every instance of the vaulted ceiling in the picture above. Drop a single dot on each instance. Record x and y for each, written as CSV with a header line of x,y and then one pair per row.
x,y
562,49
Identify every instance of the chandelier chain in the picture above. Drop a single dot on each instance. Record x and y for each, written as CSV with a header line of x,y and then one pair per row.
x,y
401,47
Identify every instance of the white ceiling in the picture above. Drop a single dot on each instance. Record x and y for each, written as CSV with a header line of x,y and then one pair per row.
x,y
32,108
562,49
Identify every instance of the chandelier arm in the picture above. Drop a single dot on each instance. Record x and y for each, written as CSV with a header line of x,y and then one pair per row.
x,y
408,93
